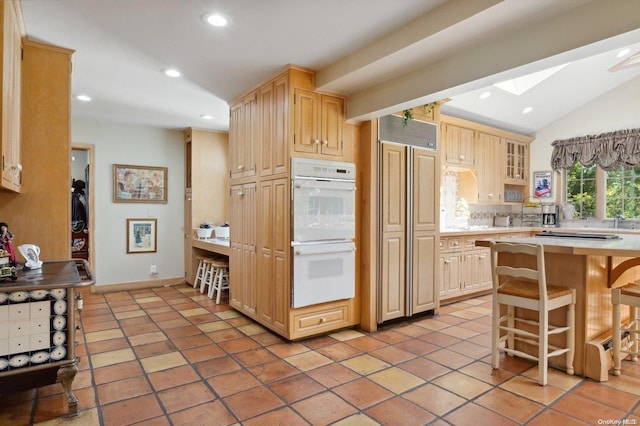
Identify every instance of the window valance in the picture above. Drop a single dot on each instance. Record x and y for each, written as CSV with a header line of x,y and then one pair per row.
x,y
607,150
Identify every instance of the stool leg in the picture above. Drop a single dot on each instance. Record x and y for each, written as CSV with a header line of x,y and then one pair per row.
x,y
495,334
543,347
209,270
571,337
214,280
221,275
199,273
615,294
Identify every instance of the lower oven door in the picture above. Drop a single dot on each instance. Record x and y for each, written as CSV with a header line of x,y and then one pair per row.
x,y
323,272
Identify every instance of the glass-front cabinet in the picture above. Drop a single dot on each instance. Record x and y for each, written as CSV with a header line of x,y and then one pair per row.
x,y
517,162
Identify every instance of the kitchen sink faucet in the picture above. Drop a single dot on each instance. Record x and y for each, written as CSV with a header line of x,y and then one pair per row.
x,y
616,220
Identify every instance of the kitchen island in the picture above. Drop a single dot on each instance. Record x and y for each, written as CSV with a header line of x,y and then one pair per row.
x,y
591,266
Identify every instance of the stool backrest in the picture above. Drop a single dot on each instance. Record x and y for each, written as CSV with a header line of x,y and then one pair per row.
x,y
527,266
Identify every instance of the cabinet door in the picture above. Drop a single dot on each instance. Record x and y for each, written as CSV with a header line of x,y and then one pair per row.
x,y
516,162
266,103
273,288
449,275
305,122
280,153
489,176
425,213
393,281
243,130
459,145
236,136
242,259
331,119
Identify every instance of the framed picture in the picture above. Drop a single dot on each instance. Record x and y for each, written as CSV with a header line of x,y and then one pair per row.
x,y
139,184
542,184
141,235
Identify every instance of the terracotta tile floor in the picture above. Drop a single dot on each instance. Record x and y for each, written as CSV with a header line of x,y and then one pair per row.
x,y
170,356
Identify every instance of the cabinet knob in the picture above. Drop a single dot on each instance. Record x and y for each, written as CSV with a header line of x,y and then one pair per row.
x,y
325,142
240,167
462,158
316,141
323,320
490,195
240,194
446,262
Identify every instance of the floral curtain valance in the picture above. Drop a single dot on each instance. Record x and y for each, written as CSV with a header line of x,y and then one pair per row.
x,y
607,150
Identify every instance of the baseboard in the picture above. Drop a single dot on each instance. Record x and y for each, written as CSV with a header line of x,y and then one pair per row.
x,y
137,285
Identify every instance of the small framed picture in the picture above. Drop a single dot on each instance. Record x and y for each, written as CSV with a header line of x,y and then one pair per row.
x,y
141,235
542,184
139,184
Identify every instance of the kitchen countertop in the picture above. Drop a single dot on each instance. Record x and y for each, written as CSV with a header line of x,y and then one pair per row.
x,y
215,245
482,230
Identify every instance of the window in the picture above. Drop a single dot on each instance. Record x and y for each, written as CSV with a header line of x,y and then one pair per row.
x,y
623,193
581,189
620,191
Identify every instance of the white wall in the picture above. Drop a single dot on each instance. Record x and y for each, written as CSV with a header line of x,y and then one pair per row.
x,y
134,145
615,110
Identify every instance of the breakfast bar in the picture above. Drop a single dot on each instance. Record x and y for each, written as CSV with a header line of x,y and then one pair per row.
x,y
591,264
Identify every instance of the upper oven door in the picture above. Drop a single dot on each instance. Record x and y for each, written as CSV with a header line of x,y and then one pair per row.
x,y
323,210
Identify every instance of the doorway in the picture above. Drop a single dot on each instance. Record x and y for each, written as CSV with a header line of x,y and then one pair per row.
x,y
82,205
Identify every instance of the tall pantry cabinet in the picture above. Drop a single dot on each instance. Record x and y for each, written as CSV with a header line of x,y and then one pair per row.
x,y
283,117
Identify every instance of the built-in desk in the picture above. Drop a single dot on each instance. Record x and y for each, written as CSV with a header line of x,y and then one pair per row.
x,y
591,267
209,247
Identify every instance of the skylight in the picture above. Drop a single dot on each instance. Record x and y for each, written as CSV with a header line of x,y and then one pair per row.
x,y
520,85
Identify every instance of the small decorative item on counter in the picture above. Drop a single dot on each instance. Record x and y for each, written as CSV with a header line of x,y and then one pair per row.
x,y
7,270
222,231
204,231
6,243
31,253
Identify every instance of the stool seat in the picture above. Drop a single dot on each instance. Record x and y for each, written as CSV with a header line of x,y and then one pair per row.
x,y
626,338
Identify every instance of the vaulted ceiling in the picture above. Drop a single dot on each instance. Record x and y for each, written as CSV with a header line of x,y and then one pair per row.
x,y
387,55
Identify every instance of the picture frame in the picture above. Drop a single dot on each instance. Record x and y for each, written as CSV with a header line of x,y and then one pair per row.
x,y
139,184
142,236
543,184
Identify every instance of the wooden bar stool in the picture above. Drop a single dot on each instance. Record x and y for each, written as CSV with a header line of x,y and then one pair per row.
x,y
519,287
220,279
628,295
200,272
209,274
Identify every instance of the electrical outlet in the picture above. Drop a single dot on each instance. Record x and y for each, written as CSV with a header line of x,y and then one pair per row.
x,y
153,269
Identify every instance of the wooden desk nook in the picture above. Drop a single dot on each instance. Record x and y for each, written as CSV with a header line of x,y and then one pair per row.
x,y
592,266
208,247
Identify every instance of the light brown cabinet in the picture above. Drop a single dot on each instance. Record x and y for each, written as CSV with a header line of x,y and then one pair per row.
x,y
274,244
11,95
489,169
459,145
270,119
243,281
516,162
404,200
318,123
243,135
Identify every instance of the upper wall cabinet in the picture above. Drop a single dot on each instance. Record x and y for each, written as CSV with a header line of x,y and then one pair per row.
x,y
458,144
318,123
243,136
11,93
517,162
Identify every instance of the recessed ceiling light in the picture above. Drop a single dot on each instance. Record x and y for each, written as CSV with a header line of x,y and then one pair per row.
x,y
206,117
83,98
216,20
485,95
623,52
527,110
172,72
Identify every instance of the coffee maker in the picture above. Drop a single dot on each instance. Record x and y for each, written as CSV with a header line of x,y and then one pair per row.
x,y
550,215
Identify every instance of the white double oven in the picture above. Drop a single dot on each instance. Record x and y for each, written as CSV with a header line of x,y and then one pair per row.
x,y
323,219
